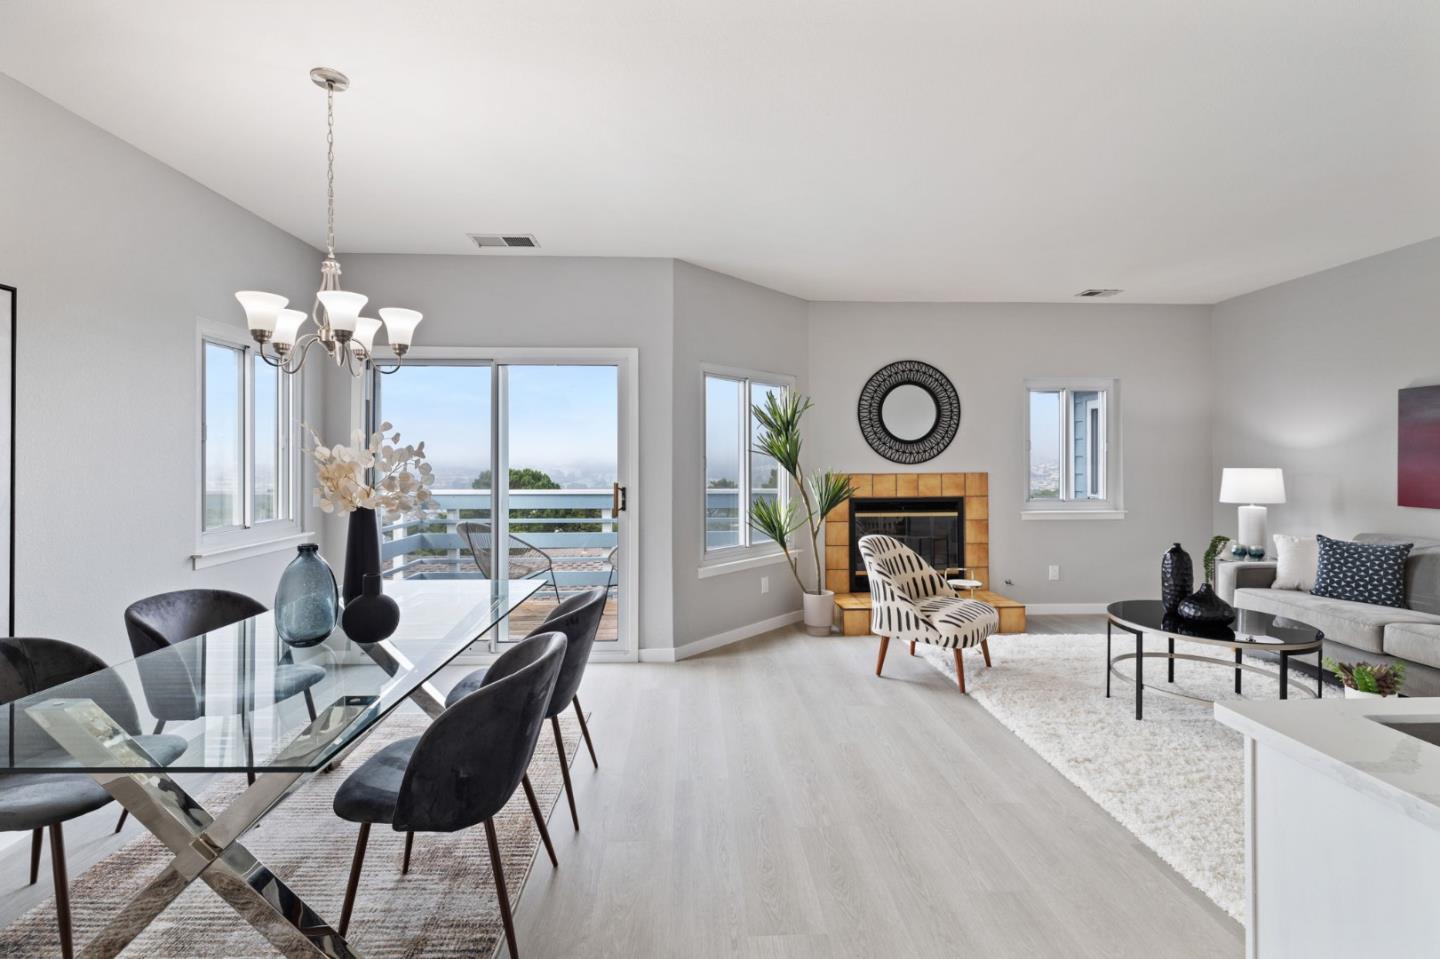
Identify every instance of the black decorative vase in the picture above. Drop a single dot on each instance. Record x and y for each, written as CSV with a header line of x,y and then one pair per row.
x,y
1205,606
1177,577
371,616
362,552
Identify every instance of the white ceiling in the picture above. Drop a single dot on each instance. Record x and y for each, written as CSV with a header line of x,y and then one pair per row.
x,y
835,149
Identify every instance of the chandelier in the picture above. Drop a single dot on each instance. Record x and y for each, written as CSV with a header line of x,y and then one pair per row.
x,y
346,337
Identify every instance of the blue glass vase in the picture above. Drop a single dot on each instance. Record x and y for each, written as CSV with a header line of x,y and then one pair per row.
x,y
307,604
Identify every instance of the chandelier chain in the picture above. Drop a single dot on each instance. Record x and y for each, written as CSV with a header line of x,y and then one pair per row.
x,y
330,168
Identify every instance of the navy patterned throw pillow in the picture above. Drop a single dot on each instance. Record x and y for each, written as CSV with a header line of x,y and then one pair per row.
x,y
1361,572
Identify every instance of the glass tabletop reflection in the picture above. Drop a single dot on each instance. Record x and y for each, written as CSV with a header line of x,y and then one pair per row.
x,y
240,684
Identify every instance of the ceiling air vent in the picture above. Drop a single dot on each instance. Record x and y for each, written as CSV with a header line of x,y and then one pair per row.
x,y
1091,293
487,241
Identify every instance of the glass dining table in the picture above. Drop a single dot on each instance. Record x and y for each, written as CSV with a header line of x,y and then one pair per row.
x,y
92,725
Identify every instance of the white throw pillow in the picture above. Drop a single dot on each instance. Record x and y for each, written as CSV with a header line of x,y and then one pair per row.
x,y
1296,560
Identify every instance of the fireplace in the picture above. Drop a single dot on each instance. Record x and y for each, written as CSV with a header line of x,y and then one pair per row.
x,y
932,527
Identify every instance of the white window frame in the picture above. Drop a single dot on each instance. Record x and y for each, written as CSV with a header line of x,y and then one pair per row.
x,y
251,538
1109,466
745,554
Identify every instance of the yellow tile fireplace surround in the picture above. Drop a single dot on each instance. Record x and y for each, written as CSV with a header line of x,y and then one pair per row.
x,y
973,488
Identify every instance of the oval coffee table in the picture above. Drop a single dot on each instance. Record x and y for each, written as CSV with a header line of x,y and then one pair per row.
x,y
1251,631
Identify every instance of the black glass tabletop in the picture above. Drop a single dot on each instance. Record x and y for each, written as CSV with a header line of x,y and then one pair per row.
x,y
1249,628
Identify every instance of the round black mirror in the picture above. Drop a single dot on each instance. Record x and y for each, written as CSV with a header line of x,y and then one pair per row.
x,y
909,412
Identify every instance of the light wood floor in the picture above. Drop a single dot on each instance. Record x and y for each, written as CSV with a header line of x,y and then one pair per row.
x,y
775,799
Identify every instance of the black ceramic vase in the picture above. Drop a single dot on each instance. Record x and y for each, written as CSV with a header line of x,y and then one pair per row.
x,y
371,616
1177,577
362,552
1205,606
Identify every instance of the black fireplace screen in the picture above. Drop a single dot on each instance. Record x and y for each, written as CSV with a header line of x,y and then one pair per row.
x,y
931,527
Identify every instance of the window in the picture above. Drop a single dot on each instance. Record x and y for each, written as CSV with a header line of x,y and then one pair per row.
x,y
1070,461
735,473
249,454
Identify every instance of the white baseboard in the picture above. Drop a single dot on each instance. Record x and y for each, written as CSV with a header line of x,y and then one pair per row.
x,y
720,639
1063,609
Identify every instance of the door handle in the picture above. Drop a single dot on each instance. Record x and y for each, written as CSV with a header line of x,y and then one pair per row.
x,y
617,499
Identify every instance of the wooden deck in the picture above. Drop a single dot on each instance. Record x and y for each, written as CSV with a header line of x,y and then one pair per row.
x,y
533,611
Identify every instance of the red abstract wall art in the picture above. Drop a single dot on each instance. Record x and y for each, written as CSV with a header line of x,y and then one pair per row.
x,y
1419,466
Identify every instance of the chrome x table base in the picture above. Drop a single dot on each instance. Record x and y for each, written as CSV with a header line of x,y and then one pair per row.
x,y
205,846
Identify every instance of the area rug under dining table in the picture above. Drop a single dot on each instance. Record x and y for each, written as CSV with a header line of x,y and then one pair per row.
x,y
444,907
1176,779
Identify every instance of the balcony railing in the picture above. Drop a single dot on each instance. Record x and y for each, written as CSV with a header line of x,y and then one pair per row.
x,y
432,548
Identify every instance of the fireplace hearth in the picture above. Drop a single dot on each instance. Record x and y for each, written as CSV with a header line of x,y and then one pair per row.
x,y
932,527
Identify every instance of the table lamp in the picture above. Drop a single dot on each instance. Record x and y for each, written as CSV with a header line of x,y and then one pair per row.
x,y
1252,487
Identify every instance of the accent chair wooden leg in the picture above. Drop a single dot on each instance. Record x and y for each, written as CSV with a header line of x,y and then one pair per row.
x,y
585,731
500,892
985,648
565,771
959,669
539,819
36,839
880,661
62,890
409,844
354,883
912,647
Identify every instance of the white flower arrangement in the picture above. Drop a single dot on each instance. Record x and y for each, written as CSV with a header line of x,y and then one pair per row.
x,y
401,477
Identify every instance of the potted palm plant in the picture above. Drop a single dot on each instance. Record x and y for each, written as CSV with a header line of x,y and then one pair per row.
x,y
781,518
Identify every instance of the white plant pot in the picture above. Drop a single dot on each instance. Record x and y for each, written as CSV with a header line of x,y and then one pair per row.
x,y
819,612
1360,694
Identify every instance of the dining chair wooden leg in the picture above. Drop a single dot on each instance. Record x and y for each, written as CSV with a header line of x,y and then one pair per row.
x,y
985,648
62,890
959,669
912,647
585,731
565,771
354,882
36,839
880,660
409,844
539,819
500,892
310,704
124,815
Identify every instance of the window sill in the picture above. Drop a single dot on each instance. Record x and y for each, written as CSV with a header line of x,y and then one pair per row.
x,y
1041,514
219,555
720,567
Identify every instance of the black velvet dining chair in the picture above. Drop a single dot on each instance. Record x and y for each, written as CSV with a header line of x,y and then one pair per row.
x,y
463,769
35,801
173,677
579,619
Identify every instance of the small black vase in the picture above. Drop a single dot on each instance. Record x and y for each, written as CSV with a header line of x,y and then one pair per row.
x,y
1205,606
1177,577
371,616
362,552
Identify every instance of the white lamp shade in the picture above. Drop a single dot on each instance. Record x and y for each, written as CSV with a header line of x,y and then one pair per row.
x,y
400,324
343,308
287,327
365,329
261,309
1252,485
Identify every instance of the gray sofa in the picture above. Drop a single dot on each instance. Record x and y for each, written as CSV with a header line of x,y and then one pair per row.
x,y
1359,631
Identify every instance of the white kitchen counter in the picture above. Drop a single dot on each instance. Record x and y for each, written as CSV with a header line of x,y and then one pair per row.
x,y
1342,826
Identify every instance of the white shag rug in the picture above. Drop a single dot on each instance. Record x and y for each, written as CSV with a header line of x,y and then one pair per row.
x,y
1175,779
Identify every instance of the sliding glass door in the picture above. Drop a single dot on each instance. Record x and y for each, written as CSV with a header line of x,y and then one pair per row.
x,y
530,458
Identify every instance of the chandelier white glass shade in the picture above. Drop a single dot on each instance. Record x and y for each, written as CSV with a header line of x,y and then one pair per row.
x,y
340,331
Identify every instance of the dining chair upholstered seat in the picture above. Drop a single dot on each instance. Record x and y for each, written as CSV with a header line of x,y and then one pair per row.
x,y
37,801
911,602
578,617
463,769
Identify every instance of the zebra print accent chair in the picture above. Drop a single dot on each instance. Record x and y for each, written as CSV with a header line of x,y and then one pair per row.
x,y
911,602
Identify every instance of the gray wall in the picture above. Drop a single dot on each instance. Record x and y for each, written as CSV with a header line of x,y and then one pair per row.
x,y
116,257
728,322
1160,355
1306,375
479,301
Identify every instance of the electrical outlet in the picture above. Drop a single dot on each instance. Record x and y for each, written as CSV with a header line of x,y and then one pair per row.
x,y
764,584
1054,573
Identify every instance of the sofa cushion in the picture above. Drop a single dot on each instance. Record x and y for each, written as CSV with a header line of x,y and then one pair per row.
x,y
1422,569
1414,642
1360,625
1370,573
1296,559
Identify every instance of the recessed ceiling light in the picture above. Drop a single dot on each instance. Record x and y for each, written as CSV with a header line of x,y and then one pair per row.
x,y
501,241
1093,292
